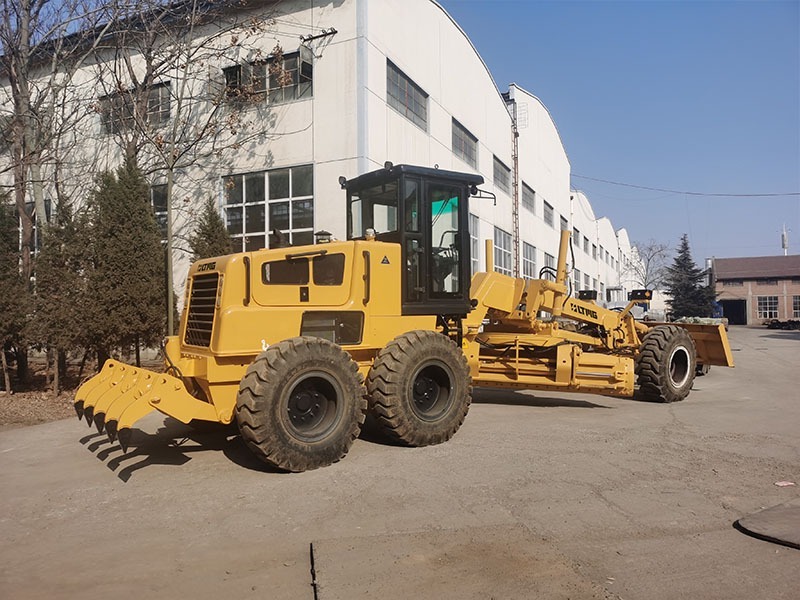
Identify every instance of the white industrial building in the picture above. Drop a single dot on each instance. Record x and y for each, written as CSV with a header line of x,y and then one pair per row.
x,y
376,81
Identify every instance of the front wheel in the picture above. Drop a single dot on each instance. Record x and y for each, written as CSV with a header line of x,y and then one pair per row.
x,y
419,388
301,404
666,364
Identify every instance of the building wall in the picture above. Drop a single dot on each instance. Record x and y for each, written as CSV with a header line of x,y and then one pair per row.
x,y
347,128
783,295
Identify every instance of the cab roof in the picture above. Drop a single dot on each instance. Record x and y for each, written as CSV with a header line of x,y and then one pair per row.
x,y
395,171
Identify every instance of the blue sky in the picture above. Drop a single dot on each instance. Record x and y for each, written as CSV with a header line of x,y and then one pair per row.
x,y
691,96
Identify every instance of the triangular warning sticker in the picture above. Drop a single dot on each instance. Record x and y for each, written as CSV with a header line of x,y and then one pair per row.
x,y
385,260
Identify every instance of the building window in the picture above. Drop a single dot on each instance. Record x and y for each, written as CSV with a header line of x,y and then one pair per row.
x,y
576,280
767,307
277,79
550,266
795,307
502,251
586,281
158,200
732,283
406,97
528,198
502,176
594,251
234,86
474,243
158,104
118,113
564,224
586,244
766,282
277,203
465,145
528,261
602,253
549,214
576,237
291,81
594,283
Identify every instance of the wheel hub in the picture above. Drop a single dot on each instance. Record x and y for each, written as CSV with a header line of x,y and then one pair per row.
x,y
430,391
304,405
425,391
312,405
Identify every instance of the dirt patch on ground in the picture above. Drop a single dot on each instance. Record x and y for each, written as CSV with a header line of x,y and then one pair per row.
x,y
30,408
33,402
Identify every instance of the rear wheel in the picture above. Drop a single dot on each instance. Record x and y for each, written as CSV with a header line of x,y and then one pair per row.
x,y
666,364
420,388
301,404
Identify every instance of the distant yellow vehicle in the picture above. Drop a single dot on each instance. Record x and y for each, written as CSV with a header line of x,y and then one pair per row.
x,y
297,344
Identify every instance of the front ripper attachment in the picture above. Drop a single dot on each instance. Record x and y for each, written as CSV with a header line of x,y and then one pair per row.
x,y
119,395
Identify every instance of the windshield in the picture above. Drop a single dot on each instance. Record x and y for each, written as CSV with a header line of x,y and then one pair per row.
x,y
372,208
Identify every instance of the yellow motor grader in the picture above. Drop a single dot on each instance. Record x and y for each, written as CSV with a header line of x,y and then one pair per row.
x,y
297,344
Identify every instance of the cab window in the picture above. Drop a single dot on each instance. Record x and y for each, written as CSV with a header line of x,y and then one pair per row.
x,y
285,272
373,208
328,269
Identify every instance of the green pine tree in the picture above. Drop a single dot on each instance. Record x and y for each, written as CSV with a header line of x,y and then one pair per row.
x,y
210,237
126,297
60,292
13,290
683,283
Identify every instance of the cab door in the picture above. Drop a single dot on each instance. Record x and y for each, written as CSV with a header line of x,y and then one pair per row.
x,y
436,250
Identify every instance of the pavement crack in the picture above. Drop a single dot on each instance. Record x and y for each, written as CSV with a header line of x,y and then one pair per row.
x,y
313,571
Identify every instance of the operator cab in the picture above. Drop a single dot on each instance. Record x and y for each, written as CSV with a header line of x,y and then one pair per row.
x,y
425,211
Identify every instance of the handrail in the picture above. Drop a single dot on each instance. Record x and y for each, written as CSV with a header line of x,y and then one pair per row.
x,y
366,277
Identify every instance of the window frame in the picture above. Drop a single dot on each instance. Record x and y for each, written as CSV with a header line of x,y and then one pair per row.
x,y
502,253
118,109
528,198
261,205
548,214
501,175
414,97
529,261
254,81
474,241
464,144
767,307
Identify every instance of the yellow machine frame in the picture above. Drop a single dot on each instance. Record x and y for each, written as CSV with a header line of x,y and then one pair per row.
x,y
526,334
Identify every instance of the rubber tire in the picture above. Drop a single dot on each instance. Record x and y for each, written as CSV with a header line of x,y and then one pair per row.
x,y
432,362
666,364
269,389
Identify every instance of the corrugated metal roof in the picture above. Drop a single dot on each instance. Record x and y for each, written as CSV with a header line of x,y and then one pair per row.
x,y
757,267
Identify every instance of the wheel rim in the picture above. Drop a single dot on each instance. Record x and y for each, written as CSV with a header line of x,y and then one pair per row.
x,y
431,391
313,406
679,362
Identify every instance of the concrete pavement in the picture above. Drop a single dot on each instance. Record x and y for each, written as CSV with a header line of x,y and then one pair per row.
x,y
539,495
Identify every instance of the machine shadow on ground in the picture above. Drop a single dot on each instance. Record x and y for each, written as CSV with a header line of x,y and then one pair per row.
x,y
171,445
518,398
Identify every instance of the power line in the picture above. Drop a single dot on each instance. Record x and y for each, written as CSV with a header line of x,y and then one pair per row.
x,y
655,189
